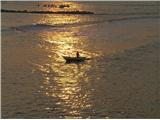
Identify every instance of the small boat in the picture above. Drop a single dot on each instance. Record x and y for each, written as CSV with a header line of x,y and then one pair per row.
x,y
75,59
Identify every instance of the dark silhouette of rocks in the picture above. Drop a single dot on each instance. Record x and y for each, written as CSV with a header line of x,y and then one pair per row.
x,y
47,12
63,6
50,5
56,6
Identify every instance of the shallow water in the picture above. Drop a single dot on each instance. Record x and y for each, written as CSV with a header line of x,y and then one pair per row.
x,y
37,83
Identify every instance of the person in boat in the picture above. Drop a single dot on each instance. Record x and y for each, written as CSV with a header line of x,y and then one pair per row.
x,y
77,54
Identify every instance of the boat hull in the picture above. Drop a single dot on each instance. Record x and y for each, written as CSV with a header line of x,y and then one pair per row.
x,y
75,59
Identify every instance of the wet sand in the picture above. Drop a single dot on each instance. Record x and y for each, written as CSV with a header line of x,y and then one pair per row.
x,y
131,87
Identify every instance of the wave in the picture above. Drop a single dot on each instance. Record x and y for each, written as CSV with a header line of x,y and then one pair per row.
x,y
133,18
34,27
126,14
49,27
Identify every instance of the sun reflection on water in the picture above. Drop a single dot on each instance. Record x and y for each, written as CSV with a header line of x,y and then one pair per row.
x,y
68,83
59,19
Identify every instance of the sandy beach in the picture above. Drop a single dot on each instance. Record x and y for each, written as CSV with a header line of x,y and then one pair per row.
x,y
120,81
131,89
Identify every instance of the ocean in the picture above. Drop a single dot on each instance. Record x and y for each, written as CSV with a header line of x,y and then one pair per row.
x,y
119,81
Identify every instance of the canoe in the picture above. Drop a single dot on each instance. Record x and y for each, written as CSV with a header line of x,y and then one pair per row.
x,y
75,59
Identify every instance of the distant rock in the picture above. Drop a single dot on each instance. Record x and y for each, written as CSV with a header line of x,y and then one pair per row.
x,y
47,12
